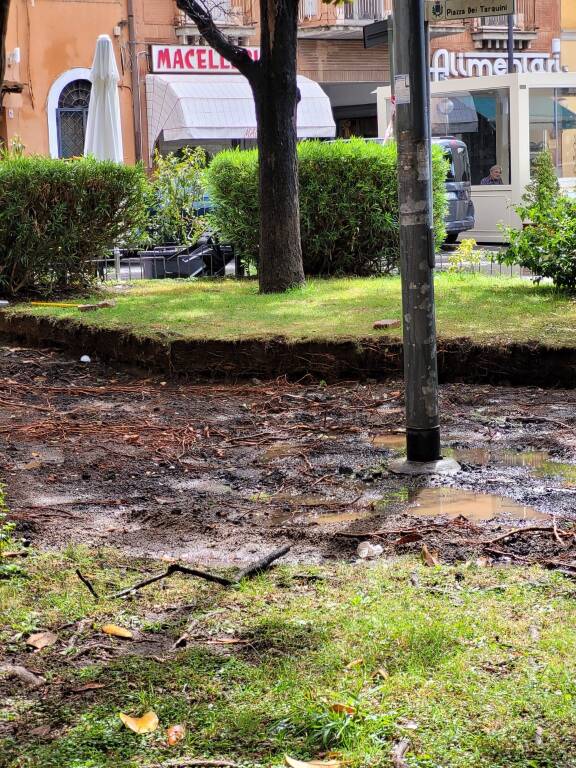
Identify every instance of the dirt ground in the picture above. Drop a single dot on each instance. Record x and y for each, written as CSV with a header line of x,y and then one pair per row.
x,y
219,474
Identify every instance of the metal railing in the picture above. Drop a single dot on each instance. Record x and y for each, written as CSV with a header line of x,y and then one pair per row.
x,y
524,18
224,13
157,267
365,10
308,9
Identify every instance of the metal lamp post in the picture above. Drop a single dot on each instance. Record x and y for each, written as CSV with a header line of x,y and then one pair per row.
x,y
417,252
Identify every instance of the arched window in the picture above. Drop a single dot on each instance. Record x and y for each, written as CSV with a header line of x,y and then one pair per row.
x,y
71,116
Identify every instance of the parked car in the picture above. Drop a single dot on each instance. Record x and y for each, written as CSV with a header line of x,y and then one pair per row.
x,y
460,214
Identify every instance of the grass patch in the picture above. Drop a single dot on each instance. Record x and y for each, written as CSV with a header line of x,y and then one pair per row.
x,y
487,309
474,676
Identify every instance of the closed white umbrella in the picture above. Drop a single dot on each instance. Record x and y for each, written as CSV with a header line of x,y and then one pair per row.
x,y
104,128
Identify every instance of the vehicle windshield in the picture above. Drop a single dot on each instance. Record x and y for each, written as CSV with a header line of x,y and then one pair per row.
x,y
458,163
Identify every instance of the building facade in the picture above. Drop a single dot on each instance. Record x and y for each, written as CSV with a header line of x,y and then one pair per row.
x,y
568,21
51,43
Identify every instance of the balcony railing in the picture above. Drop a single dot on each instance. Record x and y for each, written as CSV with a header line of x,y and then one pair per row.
x,y
352,10
228,13
524,18
308,9
365,10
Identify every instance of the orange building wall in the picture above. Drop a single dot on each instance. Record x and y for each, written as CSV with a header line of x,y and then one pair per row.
x,y
55,36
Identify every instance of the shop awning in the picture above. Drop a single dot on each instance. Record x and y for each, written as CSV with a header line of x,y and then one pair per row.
x,y
204,107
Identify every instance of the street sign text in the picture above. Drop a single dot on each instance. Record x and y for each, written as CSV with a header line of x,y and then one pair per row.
x,y
455,10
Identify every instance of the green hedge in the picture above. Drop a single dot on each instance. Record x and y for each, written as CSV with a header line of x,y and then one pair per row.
x,y
348,204
58,216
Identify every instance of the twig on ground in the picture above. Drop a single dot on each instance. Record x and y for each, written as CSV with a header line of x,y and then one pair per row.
x,y
516,531
556,534
262,565
87,584
247,573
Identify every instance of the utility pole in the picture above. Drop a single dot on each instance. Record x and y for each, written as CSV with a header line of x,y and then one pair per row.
x,y
417,252
511,67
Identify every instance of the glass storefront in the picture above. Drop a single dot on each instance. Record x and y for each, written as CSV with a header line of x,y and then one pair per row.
x,y
553,127
481,119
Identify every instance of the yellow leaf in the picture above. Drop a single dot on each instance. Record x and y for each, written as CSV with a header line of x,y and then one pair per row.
x,y
42,640
175,733
354,663
113,629
293,763
343,709
145,724
429,558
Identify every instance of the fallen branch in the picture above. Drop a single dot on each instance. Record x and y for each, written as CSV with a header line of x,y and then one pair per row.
x,y
87,584
27,677
248,573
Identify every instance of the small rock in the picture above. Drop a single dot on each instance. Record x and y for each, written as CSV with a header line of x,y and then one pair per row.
x,y
379,324
368,551
85,359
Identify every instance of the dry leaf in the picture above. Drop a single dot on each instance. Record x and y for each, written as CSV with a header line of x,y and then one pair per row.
x,y
145,724
429,558
115,631
88,687
293,763
227,641
483,562
32,465
382,672
132,439
42,640
354,663
343,708
174,734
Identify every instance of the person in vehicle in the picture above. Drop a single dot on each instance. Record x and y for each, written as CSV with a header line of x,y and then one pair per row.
x,y
495,176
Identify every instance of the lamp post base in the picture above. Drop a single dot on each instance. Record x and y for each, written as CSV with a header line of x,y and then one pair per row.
x,y
438,467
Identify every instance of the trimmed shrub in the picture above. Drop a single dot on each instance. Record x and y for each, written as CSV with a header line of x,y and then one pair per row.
x,y
57,217
546,245
348,204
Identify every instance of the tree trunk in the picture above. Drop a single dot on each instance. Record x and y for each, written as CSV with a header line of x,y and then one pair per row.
x,y
275,88
4,10
276,96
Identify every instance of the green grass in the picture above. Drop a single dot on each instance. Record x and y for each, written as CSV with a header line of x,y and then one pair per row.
x,y
476,666
483,308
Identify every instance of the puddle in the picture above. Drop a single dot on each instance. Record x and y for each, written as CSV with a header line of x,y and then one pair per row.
x,y
539,461
392,440
451,502
483,456
203,486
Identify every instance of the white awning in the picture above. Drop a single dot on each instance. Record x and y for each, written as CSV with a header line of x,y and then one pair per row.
x,y
203,107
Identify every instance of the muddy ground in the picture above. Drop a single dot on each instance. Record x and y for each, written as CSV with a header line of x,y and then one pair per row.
x,y
219,474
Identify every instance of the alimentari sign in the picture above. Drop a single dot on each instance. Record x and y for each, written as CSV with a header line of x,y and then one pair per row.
x,y
455,10
192,59
448,64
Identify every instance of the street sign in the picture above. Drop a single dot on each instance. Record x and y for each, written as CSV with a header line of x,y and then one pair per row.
x,y
456,10
376,34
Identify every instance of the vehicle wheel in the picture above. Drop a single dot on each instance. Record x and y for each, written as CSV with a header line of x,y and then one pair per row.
x,y
451,238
